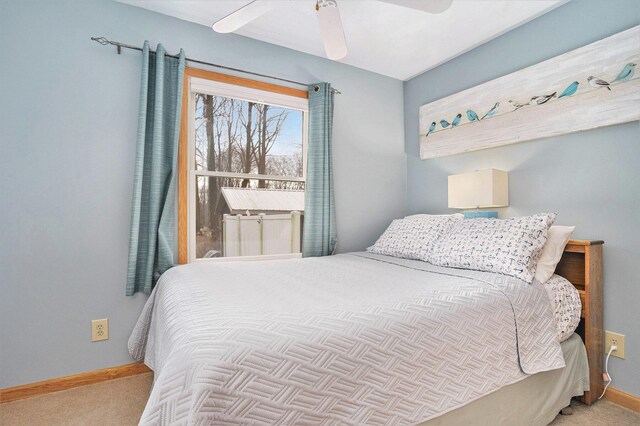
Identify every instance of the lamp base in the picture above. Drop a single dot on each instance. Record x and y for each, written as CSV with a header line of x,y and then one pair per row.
x,y
474,215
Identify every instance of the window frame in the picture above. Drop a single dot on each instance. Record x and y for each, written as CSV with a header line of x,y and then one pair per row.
x,y
202,81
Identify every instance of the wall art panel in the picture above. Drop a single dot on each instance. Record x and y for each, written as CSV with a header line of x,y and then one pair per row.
x,y
594,86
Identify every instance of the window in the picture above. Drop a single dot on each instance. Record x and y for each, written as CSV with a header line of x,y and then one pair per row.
x,y
245,168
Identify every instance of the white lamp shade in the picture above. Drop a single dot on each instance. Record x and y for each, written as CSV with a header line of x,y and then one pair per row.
x,y
484,188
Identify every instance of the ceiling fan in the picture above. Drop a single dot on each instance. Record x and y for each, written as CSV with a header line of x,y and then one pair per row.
x,y
335,44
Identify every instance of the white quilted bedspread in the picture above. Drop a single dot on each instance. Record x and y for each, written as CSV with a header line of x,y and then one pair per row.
x,y
349,339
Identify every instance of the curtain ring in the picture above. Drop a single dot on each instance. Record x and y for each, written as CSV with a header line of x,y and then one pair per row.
x,y
316,88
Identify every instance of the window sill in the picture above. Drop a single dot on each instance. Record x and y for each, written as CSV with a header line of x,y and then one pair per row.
x,y
250,258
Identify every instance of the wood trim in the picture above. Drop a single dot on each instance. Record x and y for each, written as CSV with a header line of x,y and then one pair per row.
x,y
593,321
579,246
246,82
581,264
183,173
584,243
183,145
68,382
623,399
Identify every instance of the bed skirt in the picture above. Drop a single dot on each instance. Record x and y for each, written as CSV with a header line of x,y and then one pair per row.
x,y
535,400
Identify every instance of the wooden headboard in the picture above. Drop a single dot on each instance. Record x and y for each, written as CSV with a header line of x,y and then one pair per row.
x,y
581,264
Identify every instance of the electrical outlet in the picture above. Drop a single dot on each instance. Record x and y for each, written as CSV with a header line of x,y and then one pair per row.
x,y
99,330
611,339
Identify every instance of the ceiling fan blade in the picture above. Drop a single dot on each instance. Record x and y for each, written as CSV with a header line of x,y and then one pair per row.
x,y
335,44
241,17
431,6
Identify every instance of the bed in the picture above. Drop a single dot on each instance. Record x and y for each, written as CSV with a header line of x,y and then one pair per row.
x,y
360,338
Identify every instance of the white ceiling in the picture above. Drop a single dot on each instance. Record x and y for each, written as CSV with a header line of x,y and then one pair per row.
x,y
382,37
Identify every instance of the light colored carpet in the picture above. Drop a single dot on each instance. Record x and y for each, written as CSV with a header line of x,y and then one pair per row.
x,y
117,402
120,403
602,413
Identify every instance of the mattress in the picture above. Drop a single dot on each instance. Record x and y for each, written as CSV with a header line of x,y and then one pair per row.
x,y
351,339
534,401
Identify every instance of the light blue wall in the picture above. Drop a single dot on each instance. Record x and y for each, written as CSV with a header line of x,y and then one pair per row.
x,y
591,179
68,116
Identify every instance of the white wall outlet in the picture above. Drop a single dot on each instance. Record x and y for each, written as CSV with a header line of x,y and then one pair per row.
x,y
611,339
99,329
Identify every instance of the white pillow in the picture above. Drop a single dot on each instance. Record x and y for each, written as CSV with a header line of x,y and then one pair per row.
x,y
566,305
557,239
458,216
411,238
508,246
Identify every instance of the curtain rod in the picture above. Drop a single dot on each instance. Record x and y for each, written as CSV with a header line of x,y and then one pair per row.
x,y
119,46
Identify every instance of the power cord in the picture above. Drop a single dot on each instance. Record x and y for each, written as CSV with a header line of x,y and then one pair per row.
x,y
606,370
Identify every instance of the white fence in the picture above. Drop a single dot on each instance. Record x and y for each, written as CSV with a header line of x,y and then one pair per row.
x,y
261,234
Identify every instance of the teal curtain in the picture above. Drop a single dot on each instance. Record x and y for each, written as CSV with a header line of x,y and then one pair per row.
x,y
153,238
319,234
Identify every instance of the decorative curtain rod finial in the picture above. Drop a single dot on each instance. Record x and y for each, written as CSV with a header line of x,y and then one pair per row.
x,y
103,41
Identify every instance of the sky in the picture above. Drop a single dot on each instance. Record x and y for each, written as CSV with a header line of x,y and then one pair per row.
x,y
290,138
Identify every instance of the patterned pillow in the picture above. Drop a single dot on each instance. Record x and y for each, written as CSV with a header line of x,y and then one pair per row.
x,y
509,246
566,305
412,238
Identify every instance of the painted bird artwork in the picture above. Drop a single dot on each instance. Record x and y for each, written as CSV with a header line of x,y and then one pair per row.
x,y
431,128
570,90
492,111
626,73
456,121
472,116
444,124
517,105
539,100
598,82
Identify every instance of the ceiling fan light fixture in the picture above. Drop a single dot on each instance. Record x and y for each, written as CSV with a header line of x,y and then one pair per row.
x,y
241,17
335,43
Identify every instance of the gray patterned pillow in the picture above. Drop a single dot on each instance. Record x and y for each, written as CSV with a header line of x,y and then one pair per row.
x,y
509,246
412,238
566,304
